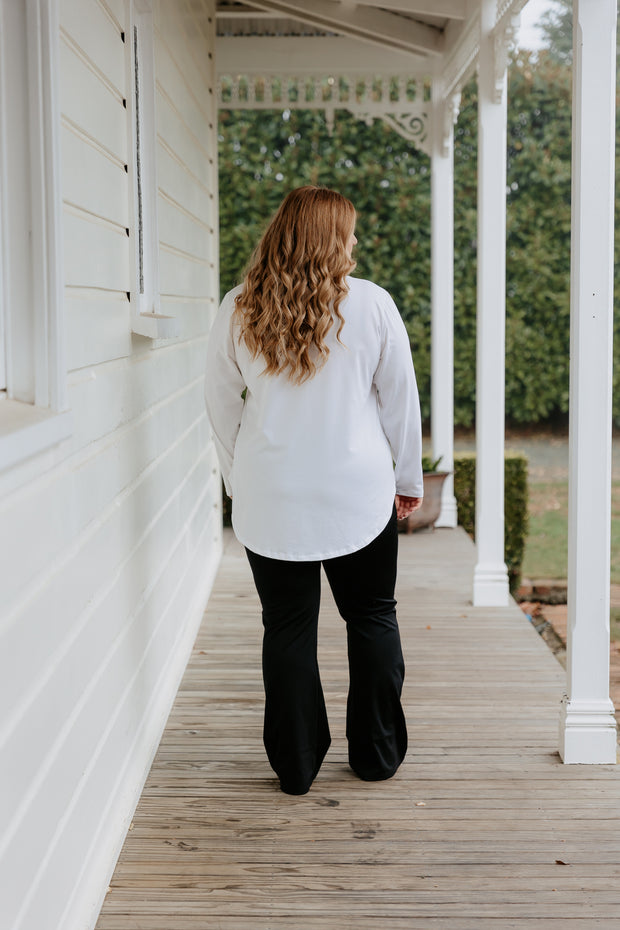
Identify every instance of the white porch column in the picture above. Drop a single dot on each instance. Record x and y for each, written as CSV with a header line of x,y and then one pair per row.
x,y
490,575
587,726
442,295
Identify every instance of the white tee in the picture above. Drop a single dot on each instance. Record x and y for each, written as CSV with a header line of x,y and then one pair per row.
x,y
310,467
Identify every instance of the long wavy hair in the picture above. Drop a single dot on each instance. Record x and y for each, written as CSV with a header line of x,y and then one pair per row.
x,y
295,283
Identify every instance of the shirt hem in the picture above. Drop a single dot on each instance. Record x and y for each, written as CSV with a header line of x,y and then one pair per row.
x,y
315,556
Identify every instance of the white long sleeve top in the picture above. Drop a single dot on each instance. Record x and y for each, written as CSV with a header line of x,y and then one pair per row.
x,y
313,468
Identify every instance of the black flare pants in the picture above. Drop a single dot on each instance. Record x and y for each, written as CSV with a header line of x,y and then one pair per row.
x,y
296,731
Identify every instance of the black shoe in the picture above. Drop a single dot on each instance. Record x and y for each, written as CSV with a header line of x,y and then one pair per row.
x,y
294,789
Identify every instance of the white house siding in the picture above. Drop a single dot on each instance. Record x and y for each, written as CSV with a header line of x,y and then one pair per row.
x,y
110,542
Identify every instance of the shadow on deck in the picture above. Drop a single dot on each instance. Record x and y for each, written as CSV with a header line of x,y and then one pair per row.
x,y
481,827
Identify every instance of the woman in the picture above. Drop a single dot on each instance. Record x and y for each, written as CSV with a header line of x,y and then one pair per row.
x,y
312,398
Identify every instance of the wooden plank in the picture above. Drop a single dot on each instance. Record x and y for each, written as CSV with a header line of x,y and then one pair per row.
x,y
123,392
181,274
183,229
92,105
97,252
122,696
180,185
186,42
107,313
302,922
182,82
116,10
194,316
97,38
199,154
112,586
92,507
93,181
475,828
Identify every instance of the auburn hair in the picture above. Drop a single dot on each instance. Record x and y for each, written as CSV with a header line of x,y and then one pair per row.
x,y
295,282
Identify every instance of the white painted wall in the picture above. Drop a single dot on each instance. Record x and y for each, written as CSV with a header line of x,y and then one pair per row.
x,y
109,542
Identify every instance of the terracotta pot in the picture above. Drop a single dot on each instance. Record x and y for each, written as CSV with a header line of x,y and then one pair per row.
x,y
431,506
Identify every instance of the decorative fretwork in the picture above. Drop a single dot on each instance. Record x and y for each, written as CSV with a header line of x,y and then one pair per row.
x,y
508,9
413,127
504,38
451,107
402,102
503,6
461,62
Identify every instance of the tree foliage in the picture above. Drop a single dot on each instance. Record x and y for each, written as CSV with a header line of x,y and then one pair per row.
x,y
263,154
556,26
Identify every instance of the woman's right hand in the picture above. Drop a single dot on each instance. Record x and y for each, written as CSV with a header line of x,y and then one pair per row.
x,y
405,506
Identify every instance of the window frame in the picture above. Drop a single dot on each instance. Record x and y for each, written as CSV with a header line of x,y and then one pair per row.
x,y
34,411
147,320
3,226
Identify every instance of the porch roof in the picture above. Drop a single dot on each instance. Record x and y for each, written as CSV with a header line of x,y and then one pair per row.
x,y
421,30
421,38
482,826
375,60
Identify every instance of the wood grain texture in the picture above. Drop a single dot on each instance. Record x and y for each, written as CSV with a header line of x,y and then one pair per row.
x,y
482,825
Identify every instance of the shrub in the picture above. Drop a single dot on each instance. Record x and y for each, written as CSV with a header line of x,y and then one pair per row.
x,y
430,464
515,506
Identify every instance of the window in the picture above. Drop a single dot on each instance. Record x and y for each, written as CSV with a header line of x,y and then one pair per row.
x,y
2,303
33,414
147,320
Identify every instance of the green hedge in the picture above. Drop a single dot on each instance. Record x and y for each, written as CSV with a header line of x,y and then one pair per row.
x,y
515,505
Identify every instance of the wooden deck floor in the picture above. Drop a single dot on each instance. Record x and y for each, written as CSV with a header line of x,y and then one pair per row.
x,y
481,827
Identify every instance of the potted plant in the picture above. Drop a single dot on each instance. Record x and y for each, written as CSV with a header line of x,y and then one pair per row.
x,y
429,512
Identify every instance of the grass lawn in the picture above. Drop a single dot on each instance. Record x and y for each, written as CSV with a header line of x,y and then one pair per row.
x,y
546,549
